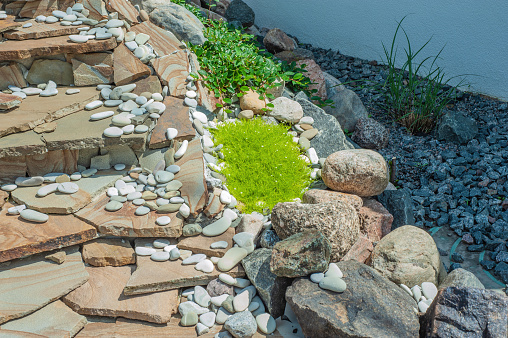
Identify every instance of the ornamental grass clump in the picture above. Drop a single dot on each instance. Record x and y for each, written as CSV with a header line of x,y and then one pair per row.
x,y
262,164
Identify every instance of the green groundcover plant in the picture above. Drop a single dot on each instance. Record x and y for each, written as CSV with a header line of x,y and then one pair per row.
x,y
262,164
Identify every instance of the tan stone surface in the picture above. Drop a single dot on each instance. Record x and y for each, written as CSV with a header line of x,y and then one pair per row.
x,y
109,252
173,70
89,75
251,101
14,147
191,174
11,168
55,203
315,74
36,110
59,161
360,251
46,127
315,196
40,30
54,320
126,11
9,24
44,70
28,284
205,97
151,276
175,116
20,238
17,334
375,220
102,295
97,9
123,223
149,84
11,74
201,243
8,101
162,41
127,67
4,195
13,49
214,206
31,9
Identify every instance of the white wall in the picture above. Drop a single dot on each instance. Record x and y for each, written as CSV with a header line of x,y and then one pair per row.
x,y
475,31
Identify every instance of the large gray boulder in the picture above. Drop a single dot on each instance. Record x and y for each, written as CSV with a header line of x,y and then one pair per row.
x,y
456,127
400,205
347,109
240,11
176,19
330,137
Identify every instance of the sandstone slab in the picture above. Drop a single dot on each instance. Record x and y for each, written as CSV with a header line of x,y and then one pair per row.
x,y
54,320
149,84
97,9
10,74
375,220
13,49
32,9
128,68
91,74
201,243
356,312
12,168
172,71
126,11
124,223
175,116
109,252
103,295
9,24
192,175
56,161
360,251
27,285
151,276
20,238
8,101
162,41
40,30
35,111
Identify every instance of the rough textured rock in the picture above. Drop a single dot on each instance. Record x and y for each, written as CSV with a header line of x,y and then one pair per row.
x,y
55,70
315,196
276,41
109,252
369,177
240,11
179,21
295,55
11,74
241,324
251,101
370,134
457,128
93,69
375,220
466,312
330,137
337,221
348,109
128,68
461,278
8,101
270,288
333,85
408,255
315,74
286,110
360,251
251,224
400,205
216,288
357,312
301,254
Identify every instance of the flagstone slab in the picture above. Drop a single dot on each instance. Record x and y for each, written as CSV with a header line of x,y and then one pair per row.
x,y
27,285
175,116
201,243
192,175
124,223
89,75
8,101
173,70
151,276
40,30
128,68
126,11
97,9
32,9
100,182
149,84
102,295
109,252
56,161
13,8
12,168
76,131
20,238
16,146
4,195
55,320
9,23
10,74
14,49
162,41
55,203
35,110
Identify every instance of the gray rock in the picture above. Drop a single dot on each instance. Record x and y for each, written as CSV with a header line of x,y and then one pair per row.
x,y
192,229
457,128
348,109
268,239
241,324
270,288
400,205
461,278
240,11
179,21
330,138
216,288
333,86
370,134
276,41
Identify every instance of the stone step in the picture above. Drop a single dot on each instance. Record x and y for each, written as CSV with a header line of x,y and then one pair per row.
x,y
40,30
14,49
9,23
21,238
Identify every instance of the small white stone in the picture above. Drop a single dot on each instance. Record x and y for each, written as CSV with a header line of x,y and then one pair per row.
x,y
200,116
78,38
205,266
160,256
88,172
191,94
333,271
133,195
181,151
119,166
266,323
20,94
93,105
170,248
30,91
173,168
114,23
101,115
33,216
141,100
225,278
141,38
422,306
16,210
407,289
52,19
184,210
68,187
162,201
190,102
219,245
70,17
8,187
317,277
171,133
218,300
119,184
417,293
225,197
132,45
40,18
128,129
311,153
207,141
229,213
194,259
154,116
113,132
160,243
163,220
157,97
145,251
72,91
141,129
429,290
27,25
207,319
47,189
76,176
187,292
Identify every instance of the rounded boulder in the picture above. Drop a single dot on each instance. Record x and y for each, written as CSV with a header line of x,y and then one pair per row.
x,y
360,172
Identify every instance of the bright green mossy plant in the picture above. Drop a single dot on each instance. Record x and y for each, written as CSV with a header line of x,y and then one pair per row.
x,y
261,164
